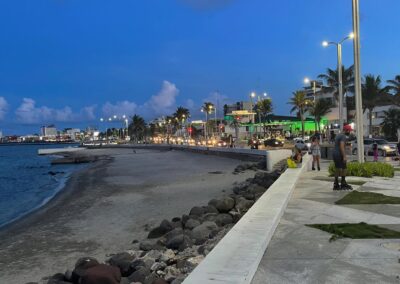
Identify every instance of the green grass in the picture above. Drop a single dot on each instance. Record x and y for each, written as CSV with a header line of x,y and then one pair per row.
x,y
356,231
331,179
396,169
367,169
357,197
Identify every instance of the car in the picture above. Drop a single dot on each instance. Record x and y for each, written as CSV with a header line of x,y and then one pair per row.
x,y
273,142
222,144
303,144
384,147
253,143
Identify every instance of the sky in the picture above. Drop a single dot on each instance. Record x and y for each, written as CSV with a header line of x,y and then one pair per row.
x,y
72,62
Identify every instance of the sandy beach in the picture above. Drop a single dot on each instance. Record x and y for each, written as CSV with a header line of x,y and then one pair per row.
x,y
108,205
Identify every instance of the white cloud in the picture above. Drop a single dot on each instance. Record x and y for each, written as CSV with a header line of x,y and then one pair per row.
x,y
3,107
29,113
165,101
119,108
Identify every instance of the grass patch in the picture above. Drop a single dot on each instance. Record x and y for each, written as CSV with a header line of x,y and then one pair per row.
x,y
357,197
356,231
396,169
331,179
367,169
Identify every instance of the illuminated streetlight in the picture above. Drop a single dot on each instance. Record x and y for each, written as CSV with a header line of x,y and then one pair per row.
x,y
339,67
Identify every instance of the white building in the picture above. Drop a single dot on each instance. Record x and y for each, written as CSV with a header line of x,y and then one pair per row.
x,y
378,114
74,133
48,131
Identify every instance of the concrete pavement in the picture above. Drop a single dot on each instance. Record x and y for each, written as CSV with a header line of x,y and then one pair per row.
x,y
300,254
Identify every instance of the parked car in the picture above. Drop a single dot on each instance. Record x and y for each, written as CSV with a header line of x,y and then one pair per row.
x,y
222,144
384,148
303,144
273,142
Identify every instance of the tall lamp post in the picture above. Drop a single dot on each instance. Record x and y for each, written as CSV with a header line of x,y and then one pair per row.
x,y
340,75
205,124
357,82
252,96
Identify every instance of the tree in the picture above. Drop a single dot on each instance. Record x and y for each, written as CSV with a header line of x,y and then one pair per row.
x,y
394,87
181,114
371,93
391,123
331,79
300,104
318,109
208,107
264,108
235,124
137,127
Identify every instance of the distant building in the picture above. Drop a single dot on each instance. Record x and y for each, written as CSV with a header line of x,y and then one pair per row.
x,y
378,114
48,131
73,133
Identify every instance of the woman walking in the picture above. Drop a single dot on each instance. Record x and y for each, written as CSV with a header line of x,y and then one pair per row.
x,y
375,150
316,152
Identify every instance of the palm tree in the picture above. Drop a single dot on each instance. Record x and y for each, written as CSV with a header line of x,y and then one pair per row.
x,y
371,93
318,109
137,127
390,124
263,108
300,104
181,113
331,79
207,108
235,124
394,87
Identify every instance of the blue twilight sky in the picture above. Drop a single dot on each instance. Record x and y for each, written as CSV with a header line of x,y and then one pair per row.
x,y
70,62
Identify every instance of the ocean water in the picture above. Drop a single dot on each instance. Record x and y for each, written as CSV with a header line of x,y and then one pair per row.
x,y
25,180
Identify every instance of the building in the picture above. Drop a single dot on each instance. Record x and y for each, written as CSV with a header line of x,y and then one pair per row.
x,y
73,133
49,131
378,115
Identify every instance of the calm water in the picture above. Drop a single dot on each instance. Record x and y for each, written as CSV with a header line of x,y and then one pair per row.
x,y
25,181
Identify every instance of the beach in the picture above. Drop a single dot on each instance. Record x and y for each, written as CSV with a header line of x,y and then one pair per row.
x,y
107,205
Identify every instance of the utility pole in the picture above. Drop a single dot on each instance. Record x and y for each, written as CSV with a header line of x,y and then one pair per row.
x,y
357,82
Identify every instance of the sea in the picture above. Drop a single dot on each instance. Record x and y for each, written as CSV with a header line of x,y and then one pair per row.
x,y
28,181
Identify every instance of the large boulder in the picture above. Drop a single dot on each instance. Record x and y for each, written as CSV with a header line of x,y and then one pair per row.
x,y
123,262
167,256
102,273
223,219
81,265
210,209
240,188
191,223
161,230
256,189
151,244
139,275
224,205
265,179
197,211
201,233
58,278
243,205
175,242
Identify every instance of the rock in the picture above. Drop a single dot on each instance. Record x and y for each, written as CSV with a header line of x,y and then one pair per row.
x,y
154,254
167,255
158,266
68,275
136,264
150,278
58,278
178,280
235,216
171,273
123,262
210,217
185,218
192,262
187,242
210,209
202,232
161,230
223,219
265,179
159,281
151,244
176,219
148,262
101,273
256,189
249,196
243,205
81,265
175,241
241,188
196,211
175,232
139,275
224,205
125,280
191,223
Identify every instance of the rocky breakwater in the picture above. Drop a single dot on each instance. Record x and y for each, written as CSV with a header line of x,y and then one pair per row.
x,y
175,247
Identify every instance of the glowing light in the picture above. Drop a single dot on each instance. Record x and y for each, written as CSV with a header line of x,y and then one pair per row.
x,y
351,35
306,80
325,43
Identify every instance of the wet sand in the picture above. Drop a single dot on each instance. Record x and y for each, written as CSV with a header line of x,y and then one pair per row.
x,y
108,205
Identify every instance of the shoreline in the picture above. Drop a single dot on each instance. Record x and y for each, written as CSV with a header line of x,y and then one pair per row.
x,y
60,192
107,205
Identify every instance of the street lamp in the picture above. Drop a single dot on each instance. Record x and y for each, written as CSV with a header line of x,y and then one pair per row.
x,y
252,96
339,66
205,124
308,81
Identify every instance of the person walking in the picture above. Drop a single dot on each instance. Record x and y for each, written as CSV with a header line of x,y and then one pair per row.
x,y
340,159
316,152
375,150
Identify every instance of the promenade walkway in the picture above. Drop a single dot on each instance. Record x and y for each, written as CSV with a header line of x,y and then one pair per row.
x,y
300,254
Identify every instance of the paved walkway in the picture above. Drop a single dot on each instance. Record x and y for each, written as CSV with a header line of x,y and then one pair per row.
x,y
300,254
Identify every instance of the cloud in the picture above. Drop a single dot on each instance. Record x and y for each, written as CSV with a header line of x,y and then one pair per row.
x,y
29,113
119,108
205,5
165,101
3,107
